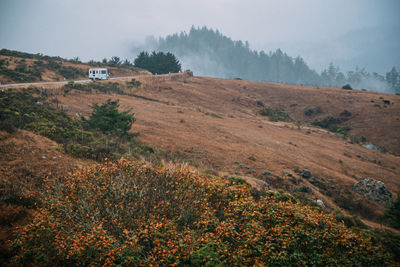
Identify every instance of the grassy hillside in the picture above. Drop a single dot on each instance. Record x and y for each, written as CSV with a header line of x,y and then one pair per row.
x,y
201,121
20,67
266,133
127,213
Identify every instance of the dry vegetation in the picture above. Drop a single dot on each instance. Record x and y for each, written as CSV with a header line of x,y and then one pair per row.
x,y
125,213
215,125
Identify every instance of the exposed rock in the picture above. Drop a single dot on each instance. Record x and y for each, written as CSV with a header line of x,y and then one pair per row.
x,y
320,203
373,189
305,173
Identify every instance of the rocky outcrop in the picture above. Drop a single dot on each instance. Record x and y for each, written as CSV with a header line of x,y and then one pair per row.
x,y
320,203
373,189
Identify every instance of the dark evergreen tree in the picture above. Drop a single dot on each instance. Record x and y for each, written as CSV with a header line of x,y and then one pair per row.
x,y
106,118
393,79
158,62
114,61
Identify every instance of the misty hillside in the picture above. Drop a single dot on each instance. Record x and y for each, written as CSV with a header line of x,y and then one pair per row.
x,y
210,53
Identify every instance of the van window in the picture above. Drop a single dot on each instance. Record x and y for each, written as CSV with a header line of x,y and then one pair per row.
x,y
103,72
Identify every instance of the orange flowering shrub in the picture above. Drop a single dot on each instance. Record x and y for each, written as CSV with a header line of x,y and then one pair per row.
x,y
125,213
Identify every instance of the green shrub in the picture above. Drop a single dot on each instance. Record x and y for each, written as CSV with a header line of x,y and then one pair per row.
x,y
345,113
70,72
207,256
21,73
304,189
266,173
8,125
332,124
288,173
189,73
318,183
252,158
133,83
392,213
215,115
237,180
388,240
78,150
309,112
349,221
312,111
275,114
108,88
347,87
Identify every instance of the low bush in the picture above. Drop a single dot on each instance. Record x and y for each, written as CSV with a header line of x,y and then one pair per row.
x,y
133,83
388,240
108,88
312,111
349,221
318,183
125,213
304,189
237,180
309,112
392,213
21,73
70,72
275,114
333,124
188,73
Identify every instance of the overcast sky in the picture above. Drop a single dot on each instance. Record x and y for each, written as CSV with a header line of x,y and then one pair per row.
x,y
348,33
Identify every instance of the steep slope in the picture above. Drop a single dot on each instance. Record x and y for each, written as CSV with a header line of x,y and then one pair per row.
x,y
25,160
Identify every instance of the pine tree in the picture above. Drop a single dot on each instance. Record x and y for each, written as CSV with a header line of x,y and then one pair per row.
x,y
158,62
106,118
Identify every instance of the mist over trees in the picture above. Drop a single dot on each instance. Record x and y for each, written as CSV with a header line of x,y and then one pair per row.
x,y
209,53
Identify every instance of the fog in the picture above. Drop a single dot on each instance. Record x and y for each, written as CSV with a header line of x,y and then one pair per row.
x,y
348,33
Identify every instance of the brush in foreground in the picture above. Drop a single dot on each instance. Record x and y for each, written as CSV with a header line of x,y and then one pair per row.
x,y
125,213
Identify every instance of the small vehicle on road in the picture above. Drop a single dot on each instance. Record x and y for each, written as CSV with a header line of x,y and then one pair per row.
x,y
98,74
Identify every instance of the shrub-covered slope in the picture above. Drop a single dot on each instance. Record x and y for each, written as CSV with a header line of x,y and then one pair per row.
x,y
127,213
21,67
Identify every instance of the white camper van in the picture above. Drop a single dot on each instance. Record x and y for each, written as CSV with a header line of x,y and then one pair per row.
x,y
98,74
